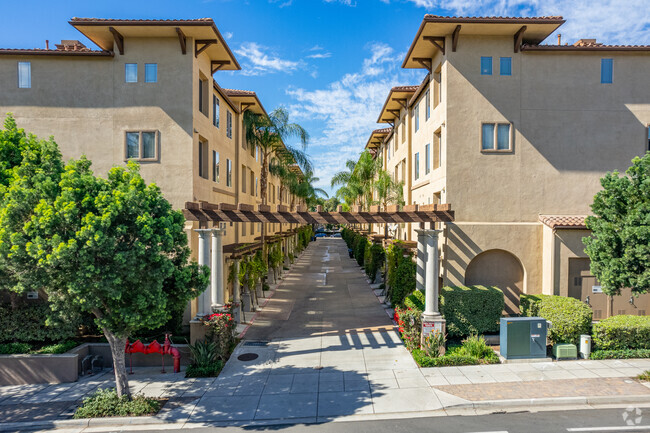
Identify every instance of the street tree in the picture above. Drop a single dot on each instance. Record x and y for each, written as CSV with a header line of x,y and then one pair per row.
x,y
619,246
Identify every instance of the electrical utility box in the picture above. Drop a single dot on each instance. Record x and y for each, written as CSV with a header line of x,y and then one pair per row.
x,y
523,337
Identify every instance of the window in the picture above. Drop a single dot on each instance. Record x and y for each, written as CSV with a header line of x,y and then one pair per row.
x,y
486,65
496,133
243,229
228,124
427,161
606,71
203,159
215,110
141,145
257,153
243,178
151,72
256,183
505,66
437,90
427,110
228,172
203,96
404,169
215,166
437,155
417,165
648,149
253,189
24,75
416,115
131,72
403,127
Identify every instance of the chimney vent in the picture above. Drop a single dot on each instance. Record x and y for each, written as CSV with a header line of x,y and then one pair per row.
x,y
47,44
559,38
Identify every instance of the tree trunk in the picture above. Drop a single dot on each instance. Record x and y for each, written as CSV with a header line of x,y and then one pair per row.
x,y
117,345
263,185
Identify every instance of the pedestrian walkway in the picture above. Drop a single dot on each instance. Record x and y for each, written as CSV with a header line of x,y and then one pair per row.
x,y
322,349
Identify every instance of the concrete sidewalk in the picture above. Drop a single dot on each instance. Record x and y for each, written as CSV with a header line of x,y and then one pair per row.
x,y
327,351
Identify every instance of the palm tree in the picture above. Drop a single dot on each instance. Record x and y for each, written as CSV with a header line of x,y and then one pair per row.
x,y
388,191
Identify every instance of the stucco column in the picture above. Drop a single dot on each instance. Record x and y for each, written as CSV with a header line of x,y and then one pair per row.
x,y
236,297
216,271
420,259
204,252
432,320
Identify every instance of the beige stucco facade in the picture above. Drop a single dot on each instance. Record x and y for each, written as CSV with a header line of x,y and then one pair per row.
x,y
566,130
81,97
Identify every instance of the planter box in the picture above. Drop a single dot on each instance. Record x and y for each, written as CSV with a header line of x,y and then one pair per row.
x,y
30,369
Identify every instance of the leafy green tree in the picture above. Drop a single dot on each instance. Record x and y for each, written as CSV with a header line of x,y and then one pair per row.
x,y
110,247
388,192
619,247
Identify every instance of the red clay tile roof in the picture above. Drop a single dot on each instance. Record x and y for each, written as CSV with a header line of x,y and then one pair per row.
x,y
404,88
237,92
440,18
382,131
585,47
41,51
564,221
122,21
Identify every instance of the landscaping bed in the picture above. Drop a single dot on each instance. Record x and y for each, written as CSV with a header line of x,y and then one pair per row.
x,y
106,403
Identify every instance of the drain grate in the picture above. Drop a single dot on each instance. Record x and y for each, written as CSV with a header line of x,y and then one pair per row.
x,y
256,343
247,356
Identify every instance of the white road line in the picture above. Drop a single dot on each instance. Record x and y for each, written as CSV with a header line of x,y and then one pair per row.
x,y
622,428
500,431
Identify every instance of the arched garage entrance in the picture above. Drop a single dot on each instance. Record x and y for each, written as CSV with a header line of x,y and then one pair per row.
x,y
501,269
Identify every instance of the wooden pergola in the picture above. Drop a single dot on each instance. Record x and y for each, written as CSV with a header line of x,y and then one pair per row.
x,y
204,212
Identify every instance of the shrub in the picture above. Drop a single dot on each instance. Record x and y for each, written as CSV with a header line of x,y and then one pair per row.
x,y
569,317
14,348
620,354
645,376
373,260
529,305
62,347
444,361
415,300
471,310
221,331
434,344
410,326
211,370
622,332
477,347
204,353
401,273
105,402
26,323
360,249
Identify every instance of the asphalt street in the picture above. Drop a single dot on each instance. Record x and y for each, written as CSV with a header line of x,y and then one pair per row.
x,y
600,420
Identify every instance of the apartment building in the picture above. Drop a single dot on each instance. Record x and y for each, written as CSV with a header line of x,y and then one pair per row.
x,y
515,135
147,93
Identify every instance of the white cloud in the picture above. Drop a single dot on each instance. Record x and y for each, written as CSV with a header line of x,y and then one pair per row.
x,y
348,108
227,35
282,3
259,62
319,56
610,21
345,2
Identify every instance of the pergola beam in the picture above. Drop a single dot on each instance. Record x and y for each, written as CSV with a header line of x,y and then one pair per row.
x,y
519,36
205,212
119,39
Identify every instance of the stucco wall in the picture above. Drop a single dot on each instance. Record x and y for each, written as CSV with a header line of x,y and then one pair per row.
x,y
28,369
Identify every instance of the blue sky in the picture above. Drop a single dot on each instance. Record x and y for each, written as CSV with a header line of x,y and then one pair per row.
x,y
331,62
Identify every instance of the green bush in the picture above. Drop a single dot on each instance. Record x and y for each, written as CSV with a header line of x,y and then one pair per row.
x,y
360,249
529,305
415,300
569,317
409,322
401,273
14,348
373,260
105,402
622,332
443,361
475,346
57,348
211,370
471,310
26,323
620,354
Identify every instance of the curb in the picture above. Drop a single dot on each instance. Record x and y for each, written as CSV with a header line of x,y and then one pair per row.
x,y
487,404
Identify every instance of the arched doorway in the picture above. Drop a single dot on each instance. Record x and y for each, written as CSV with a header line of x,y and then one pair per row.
x,y
501,269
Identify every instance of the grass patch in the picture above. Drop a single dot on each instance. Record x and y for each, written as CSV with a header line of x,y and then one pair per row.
x,y
644,377
105,403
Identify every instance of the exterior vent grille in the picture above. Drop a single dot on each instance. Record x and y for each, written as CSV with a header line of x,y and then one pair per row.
x,y
256,343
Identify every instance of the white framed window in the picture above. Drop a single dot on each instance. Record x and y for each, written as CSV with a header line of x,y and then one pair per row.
x,y
427,101
256,183
228,172
215,166
215,110
416,164
24,75
141,145
204,102
228,124
151,72
416,116
427,161
496,137
130,72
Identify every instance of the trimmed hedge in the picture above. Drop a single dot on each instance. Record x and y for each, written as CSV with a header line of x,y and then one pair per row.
x,y
569,317
26,323
471,310
444,361
622,332
373,261
620,354
468,311
360,249
401,273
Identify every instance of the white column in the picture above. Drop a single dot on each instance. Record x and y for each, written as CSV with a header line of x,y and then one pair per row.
x,y
431,278
216,274
204,251
420,260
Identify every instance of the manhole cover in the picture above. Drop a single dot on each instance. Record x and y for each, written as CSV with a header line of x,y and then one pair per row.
x,y
248,356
